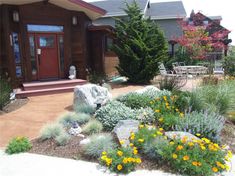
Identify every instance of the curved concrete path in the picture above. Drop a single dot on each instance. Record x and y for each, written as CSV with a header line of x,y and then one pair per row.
x,y
26,164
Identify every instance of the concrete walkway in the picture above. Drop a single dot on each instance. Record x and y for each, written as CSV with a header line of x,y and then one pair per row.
x,y
29,119
38,165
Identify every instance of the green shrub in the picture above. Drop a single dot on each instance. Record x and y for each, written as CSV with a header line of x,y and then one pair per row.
x,y
69,118
62,139
17,145
172,83
135,100
99,143
5,89
82,108
182,100
145,115
52,130
168,121
110,114
206,124
93,126
120,160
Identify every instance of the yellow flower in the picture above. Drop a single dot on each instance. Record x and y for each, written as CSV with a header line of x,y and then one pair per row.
x,y
108,161
151,102
191,144
138,161
172,143
157,110
141,140
104,153
176,109
206,140
129,160
227,167
131,144
186,158
135,151
119,153
194,163
159,133
199,163
165,98
167,104
161,129
203,147
122,142
104,157
125,160
119,167
198,134
161,119
179,147
141,126
184,139
174,156
230,155
181,114
132,136
215,169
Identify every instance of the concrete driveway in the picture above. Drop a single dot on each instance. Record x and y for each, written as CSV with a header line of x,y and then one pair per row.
x,y
29,119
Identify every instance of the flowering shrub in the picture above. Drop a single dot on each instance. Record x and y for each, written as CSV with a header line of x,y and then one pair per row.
x,y
195,157
18,144
166,112
145,135
121,160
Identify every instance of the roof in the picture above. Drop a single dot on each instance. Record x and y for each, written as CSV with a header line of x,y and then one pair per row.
x,y
91,11
115,7
215,17
166,10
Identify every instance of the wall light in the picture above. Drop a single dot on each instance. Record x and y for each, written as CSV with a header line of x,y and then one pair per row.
x,y
74,20
16,16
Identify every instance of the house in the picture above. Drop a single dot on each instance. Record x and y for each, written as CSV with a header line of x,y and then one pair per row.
x,y
165,14
212,25
41,39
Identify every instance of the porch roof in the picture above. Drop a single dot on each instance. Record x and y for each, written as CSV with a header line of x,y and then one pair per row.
x,y
92,11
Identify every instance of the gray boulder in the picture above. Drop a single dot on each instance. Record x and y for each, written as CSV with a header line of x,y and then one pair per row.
x,y
89,94
147,88
123,130
180,135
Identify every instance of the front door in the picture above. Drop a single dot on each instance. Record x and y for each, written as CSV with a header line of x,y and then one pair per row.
x,y
47,53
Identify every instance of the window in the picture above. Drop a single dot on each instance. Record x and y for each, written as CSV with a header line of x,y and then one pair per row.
x,y
61,52
17,56
205,22
108,43
46,41
44,28
32,55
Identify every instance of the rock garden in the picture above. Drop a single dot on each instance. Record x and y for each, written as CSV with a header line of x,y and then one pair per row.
x,y
179,132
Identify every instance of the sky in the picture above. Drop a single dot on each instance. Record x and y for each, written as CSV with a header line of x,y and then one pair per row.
x,y
224,8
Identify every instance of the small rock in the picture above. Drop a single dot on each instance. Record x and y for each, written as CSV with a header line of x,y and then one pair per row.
x,y
85,141
180,135
147,88
81,135
124,128
75,131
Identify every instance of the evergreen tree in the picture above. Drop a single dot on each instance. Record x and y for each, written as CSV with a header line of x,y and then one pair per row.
x,y
140,46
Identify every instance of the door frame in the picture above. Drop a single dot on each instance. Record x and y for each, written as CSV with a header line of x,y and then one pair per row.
x,y
36,46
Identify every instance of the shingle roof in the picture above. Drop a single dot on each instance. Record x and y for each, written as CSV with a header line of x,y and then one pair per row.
x,y
115,7
166,10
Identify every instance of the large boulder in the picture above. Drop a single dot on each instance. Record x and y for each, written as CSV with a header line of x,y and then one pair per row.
x,y
124,128
180,135
90,94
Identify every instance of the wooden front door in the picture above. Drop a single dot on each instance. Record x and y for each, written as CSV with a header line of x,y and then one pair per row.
x,y
47,53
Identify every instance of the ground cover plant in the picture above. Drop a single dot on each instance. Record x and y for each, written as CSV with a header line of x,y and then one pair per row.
x,y
18,145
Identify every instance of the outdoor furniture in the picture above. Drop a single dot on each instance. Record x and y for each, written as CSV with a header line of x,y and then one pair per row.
x,y
191,69
218,70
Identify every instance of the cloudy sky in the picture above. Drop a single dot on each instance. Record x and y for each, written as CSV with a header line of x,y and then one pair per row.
x,y
224,8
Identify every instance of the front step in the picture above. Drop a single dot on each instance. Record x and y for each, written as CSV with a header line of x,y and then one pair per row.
x,y
53,84
48,88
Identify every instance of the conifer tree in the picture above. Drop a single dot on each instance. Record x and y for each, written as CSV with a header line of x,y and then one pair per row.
x,y
140,46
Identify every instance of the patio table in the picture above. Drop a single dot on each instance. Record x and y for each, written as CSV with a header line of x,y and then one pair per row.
x,y
191,69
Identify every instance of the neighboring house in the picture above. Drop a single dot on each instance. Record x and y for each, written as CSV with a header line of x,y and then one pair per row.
x,y
213,26
41,39
165,14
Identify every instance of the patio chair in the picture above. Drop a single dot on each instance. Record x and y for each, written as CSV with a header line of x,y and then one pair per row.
x,y
218,70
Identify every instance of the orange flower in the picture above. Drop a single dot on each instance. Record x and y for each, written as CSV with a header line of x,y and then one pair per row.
x,y
186,158
179,147
215,169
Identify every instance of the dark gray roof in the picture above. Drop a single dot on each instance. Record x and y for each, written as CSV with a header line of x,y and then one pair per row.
x,y
166,10
115,7
215,17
